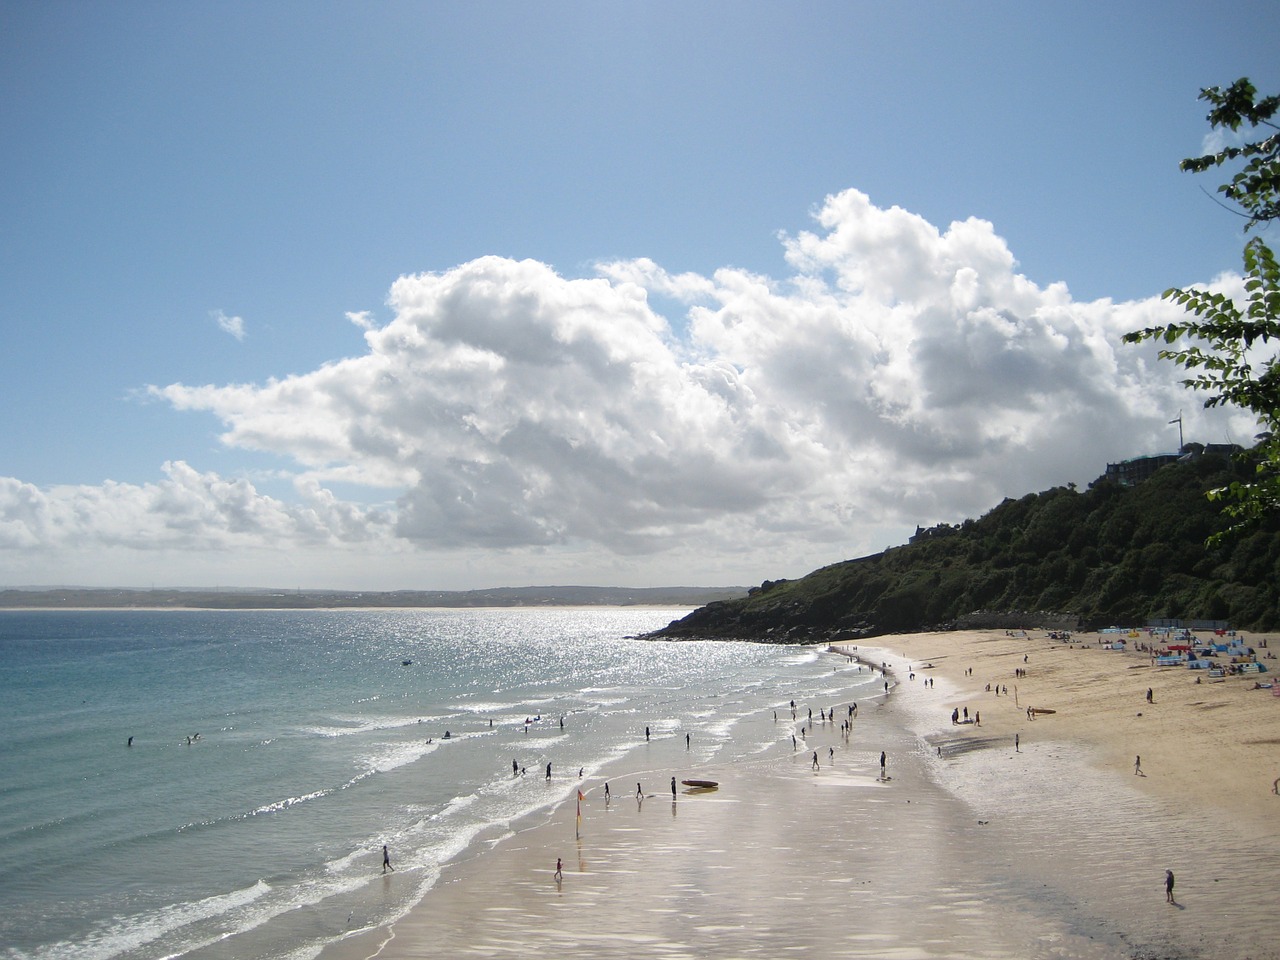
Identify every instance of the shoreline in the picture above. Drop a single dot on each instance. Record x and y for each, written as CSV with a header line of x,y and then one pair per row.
x,y
972,848
1200,742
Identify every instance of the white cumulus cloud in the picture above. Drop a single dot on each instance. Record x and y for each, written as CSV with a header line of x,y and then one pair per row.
x,y
900,374
185,510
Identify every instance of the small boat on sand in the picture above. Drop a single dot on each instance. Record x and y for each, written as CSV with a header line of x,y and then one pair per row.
x,y
702,784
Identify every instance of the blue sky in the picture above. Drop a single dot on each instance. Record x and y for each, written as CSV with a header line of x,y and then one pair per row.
x,y
424,228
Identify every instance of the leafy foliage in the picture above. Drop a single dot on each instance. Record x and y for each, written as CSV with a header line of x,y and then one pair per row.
x,y
1256,186
1110,554
1228,348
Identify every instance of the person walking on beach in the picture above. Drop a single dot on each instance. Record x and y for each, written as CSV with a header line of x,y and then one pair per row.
x,y
883,759
606,791
815,759
1016,744
673,789
1137,766
386,860
688,739
1168,886
559,875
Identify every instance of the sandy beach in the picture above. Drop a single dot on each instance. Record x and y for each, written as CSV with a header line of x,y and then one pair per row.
x,y
1008,837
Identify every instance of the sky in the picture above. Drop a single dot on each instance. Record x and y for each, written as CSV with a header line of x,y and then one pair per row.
x,y
450,296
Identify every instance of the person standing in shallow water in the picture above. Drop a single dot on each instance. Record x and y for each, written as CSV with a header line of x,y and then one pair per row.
x,y
673,789
386,860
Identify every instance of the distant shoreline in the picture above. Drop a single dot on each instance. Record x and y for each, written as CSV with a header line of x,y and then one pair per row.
x,y
77,598
351,609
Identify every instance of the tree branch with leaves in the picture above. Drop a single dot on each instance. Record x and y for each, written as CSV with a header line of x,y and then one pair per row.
x,y
1228,348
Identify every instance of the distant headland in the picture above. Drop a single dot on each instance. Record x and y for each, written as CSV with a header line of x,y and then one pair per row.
x,y
1129,550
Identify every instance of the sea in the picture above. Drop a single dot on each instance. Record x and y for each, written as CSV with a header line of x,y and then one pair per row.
x,y
180,783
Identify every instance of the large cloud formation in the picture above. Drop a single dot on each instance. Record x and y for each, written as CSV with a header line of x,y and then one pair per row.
x,y
901,374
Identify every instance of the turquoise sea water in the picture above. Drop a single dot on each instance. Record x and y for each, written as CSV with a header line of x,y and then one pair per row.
x,y
317,744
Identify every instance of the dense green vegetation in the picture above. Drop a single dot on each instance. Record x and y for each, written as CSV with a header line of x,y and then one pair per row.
x,y
1106,555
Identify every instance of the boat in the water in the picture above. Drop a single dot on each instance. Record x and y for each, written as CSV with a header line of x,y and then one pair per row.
x,y
702,784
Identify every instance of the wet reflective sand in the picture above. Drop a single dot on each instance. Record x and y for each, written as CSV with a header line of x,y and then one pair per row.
x,y
984,851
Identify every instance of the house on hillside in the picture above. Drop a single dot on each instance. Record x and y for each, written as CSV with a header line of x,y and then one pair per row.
x,y
1128,473
930,533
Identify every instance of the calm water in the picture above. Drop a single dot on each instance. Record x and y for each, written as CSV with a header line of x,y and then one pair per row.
x,y
317,744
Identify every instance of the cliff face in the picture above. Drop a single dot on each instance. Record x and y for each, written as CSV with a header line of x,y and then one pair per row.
x,y
1110,554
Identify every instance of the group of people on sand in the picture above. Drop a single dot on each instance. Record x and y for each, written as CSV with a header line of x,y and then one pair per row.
x,y
825,715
